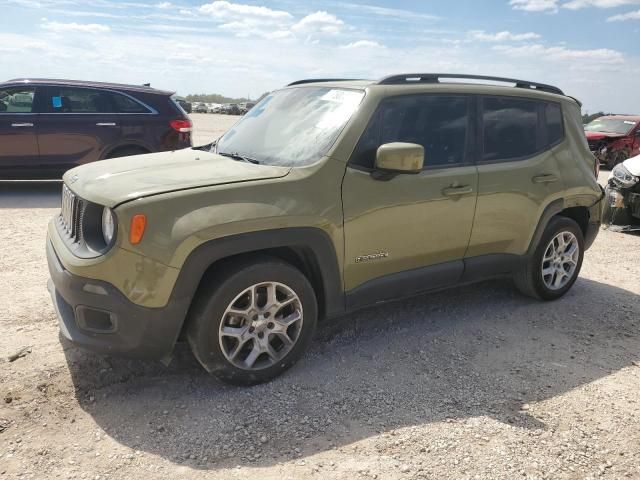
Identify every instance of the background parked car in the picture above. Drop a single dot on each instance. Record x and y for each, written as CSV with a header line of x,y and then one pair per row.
x,y
49,126
614,138
246,106
186,106
200,108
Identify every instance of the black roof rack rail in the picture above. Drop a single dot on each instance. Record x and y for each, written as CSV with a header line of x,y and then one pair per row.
x,y
319,80
435,78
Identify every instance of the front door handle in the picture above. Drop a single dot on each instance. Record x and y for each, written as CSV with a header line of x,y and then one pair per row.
x,y
106,124
21,125
545,178
461,190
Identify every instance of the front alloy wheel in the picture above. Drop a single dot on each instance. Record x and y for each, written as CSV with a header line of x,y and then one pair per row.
x,y
261,326
252,320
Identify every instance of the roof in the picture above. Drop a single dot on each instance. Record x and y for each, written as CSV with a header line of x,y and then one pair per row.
x,y
415,81
89,83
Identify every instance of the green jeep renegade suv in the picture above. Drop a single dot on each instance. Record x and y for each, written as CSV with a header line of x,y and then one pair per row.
x,y
326,197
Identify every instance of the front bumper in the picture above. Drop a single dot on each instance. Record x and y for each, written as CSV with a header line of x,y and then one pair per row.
x,y
96,316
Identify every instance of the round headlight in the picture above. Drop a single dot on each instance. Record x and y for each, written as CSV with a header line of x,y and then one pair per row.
x,y
108,225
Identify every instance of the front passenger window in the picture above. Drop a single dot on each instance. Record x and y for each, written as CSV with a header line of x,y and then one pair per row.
x,y
437,122
17,100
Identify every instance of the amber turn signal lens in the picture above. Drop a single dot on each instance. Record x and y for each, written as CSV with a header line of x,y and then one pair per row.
x,y
138,224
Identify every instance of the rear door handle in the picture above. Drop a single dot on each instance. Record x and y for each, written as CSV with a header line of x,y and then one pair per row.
x,y
106,124
21,125
545,178
461,190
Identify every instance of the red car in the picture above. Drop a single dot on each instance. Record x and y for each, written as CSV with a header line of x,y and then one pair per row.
x,y
614,138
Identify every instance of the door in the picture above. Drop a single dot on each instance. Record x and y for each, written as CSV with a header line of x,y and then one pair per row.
x,y
409,233
76,127
18,138
518,172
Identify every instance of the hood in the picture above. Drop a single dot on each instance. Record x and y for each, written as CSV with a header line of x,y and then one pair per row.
x,y
633,165
601,135
115,181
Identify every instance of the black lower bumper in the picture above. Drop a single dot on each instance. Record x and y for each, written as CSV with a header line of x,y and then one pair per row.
x,y
97,316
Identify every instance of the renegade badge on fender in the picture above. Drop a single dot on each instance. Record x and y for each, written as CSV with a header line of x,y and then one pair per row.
x,y
326,197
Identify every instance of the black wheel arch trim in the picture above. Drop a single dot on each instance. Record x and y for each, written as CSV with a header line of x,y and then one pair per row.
x,y
312,239
548,213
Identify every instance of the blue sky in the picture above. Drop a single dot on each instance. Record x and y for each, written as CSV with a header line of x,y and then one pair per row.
x,y
247,47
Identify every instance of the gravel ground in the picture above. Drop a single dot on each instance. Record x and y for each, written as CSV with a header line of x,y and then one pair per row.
x,y
478,382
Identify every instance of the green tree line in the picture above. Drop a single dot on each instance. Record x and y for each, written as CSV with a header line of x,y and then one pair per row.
x,y
217,98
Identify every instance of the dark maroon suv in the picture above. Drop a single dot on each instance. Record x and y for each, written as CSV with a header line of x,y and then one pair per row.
x,y
49,126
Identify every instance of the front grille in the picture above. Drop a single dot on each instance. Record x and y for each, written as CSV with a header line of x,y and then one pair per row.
x,y
71,212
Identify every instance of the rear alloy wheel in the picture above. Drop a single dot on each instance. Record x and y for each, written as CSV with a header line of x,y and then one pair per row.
x,y
252,321
554,266
560,260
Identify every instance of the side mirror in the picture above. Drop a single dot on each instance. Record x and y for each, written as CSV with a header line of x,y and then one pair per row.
x,y
638,133
400,157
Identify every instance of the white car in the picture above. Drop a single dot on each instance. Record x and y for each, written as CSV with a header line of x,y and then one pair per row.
x,y
622,207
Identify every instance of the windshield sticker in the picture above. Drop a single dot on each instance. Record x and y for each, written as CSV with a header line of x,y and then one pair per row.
x,y
629,122
334,96
57,102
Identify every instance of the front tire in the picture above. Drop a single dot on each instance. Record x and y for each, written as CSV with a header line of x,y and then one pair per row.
x,y
253,321
555,264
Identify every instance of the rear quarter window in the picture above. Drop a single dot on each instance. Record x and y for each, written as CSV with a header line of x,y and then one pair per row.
x,y
125,104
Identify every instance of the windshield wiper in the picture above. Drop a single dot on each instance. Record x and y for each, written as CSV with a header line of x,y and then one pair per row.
x,y
238,156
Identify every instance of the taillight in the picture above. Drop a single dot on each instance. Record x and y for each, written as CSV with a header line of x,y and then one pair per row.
x,y
182,126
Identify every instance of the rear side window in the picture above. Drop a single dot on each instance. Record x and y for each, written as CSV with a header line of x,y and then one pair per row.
x,y
437,122
518,128
510,128
125,104
78,100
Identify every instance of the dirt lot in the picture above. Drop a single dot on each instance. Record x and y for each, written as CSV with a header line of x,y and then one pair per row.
x,y
478,382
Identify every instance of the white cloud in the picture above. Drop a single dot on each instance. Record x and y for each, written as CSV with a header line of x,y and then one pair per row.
x,y
224,10
578,4
58,27
363,44
164,5
389,12
504,36
535,5
319,22
635,15
551,6
599,57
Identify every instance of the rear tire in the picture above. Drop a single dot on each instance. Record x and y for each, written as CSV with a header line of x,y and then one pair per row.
x,y
554,266
252,321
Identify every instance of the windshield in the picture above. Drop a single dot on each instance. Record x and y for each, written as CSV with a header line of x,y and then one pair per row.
x,y
293,127
610,125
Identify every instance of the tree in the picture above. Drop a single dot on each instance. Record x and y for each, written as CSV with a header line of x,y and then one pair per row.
x,y
213,98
